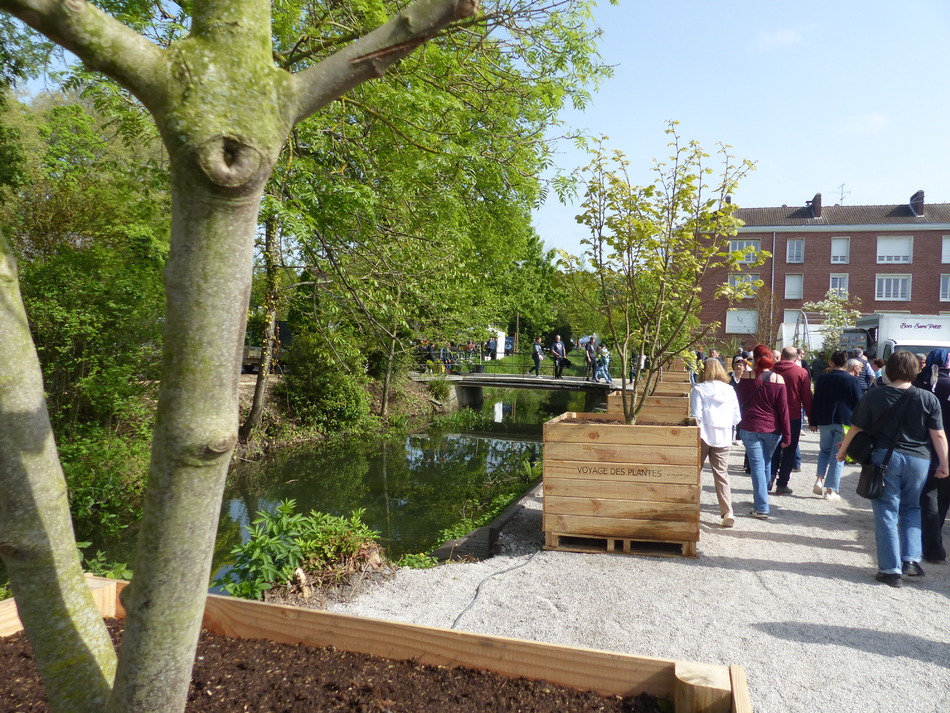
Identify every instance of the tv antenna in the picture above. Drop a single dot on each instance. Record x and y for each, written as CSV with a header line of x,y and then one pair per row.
x,y
842,193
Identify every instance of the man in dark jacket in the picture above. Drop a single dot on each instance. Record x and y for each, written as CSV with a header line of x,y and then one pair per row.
x,y
935,499
798,398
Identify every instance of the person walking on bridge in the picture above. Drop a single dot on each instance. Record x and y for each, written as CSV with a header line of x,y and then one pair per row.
x,y
537,354
559,354
590,356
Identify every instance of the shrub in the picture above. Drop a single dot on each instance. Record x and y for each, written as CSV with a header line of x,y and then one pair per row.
x,y
323,545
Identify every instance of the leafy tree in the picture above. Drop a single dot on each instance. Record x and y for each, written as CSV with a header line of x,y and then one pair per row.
x,y
223,111
649,249
838,310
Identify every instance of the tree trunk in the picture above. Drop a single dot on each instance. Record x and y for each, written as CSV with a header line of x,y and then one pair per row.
x,y
387,378
208,281
271,298
37,544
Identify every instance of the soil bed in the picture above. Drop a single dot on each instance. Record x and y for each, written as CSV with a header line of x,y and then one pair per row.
x,y
241,675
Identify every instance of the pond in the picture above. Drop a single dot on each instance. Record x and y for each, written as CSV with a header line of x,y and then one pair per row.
x,y
411,488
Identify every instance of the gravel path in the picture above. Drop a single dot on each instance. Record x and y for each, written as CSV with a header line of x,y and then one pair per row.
x,y
792,599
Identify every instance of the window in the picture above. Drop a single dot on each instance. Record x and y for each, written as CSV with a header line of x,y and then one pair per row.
x,y
945,288
795,250
841,250
895,250
743,244
742,321
892,288
794,287
791,315
738,278
945,249
839,283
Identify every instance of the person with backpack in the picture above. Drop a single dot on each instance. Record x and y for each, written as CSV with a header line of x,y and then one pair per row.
x,y
867,375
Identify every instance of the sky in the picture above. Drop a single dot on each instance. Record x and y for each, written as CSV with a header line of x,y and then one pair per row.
x,y
844,98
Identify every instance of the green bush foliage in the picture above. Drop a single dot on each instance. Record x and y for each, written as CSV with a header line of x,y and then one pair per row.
x,y
324,387
282,541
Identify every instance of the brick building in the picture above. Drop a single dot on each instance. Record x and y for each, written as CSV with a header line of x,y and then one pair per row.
x,y
895,258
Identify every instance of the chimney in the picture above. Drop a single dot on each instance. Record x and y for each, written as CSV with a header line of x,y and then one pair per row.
x,y
815,205
917,204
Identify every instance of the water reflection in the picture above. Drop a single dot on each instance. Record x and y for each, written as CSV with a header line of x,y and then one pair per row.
x,y
411,488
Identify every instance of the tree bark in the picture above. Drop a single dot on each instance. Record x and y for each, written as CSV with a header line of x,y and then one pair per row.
x,y
224,112
37,544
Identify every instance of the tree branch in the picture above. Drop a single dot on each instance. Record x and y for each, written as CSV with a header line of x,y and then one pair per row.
x,y
370,56
99,40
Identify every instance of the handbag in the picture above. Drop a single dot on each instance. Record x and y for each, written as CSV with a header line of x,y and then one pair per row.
x,y
871,480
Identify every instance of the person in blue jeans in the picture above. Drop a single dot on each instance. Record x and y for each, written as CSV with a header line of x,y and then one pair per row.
x,y
764,425
915,423
836,394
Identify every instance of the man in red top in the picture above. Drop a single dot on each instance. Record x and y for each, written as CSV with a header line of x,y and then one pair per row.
x,y
798,392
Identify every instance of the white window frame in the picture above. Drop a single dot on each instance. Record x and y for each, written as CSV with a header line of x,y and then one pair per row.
x,y
795,250
945,288
880,295
738,244
839,259
734,324
801,286
945,249
895,249
841,277
735,278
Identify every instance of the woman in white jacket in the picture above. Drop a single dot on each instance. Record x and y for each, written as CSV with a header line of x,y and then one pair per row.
x,y
714,405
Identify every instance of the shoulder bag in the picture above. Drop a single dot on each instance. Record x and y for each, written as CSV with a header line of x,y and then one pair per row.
x,y
871,480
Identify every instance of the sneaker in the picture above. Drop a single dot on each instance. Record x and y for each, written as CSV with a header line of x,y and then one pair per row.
x,y
797,469
912,569
759,515
892,580
728,520
783,490
819,487
831,495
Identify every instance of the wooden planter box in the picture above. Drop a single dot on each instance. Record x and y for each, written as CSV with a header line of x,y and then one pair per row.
x,y
693,687
617,488
657,409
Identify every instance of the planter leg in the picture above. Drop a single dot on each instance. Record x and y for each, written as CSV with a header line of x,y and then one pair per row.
x,y
702,688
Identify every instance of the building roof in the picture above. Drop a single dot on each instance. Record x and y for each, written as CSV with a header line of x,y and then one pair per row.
x,y
837,215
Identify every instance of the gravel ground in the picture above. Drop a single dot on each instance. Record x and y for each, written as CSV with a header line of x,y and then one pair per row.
x,y
792,599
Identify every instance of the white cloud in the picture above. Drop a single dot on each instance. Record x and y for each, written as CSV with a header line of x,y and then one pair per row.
x,y
777,39
870,123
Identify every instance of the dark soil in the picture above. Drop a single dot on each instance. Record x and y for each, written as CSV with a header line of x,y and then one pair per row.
x,y
243,675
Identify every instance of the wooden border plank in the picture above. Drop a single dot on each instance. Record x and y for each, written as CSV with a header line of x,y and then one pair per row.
x,y
621,453
621,528
630,472
633,509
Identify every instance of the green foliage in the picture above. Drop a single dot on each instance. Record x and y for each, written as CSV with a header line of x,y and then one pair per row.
x,y
105,477
650,247
5,591
101,567
324,386
439,389
282,541
417,561
838,311
462,420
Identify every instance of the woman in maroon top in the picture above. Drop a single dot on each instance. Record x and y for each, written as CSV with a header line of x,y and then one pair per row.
x,y
764,425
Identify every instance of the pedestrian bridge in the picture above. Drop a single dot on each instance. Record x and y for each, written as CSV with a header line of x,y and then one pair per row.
x,y
468,387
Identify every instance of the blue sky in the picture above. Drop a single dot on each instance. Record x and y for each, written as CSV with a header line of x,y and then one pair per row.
x,y
818,94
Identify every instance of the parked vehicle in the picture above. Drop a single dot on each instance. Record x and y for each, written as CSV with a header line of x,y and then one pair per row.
x,y
888,333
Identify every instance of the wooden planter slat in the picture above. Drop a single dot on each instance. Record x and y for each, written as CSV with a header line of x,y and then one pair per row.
x,y
632,472
659,492
596,452
556,432
633,509
700,687
589,526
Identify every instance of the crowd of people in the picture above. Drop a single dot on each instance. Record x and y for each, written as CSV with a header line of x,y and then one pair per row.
x,y
904,404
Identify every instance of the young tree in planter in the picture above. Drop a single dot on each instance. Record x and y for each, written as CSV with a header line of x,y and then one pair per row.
x,y
838,311
224,111
651,246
